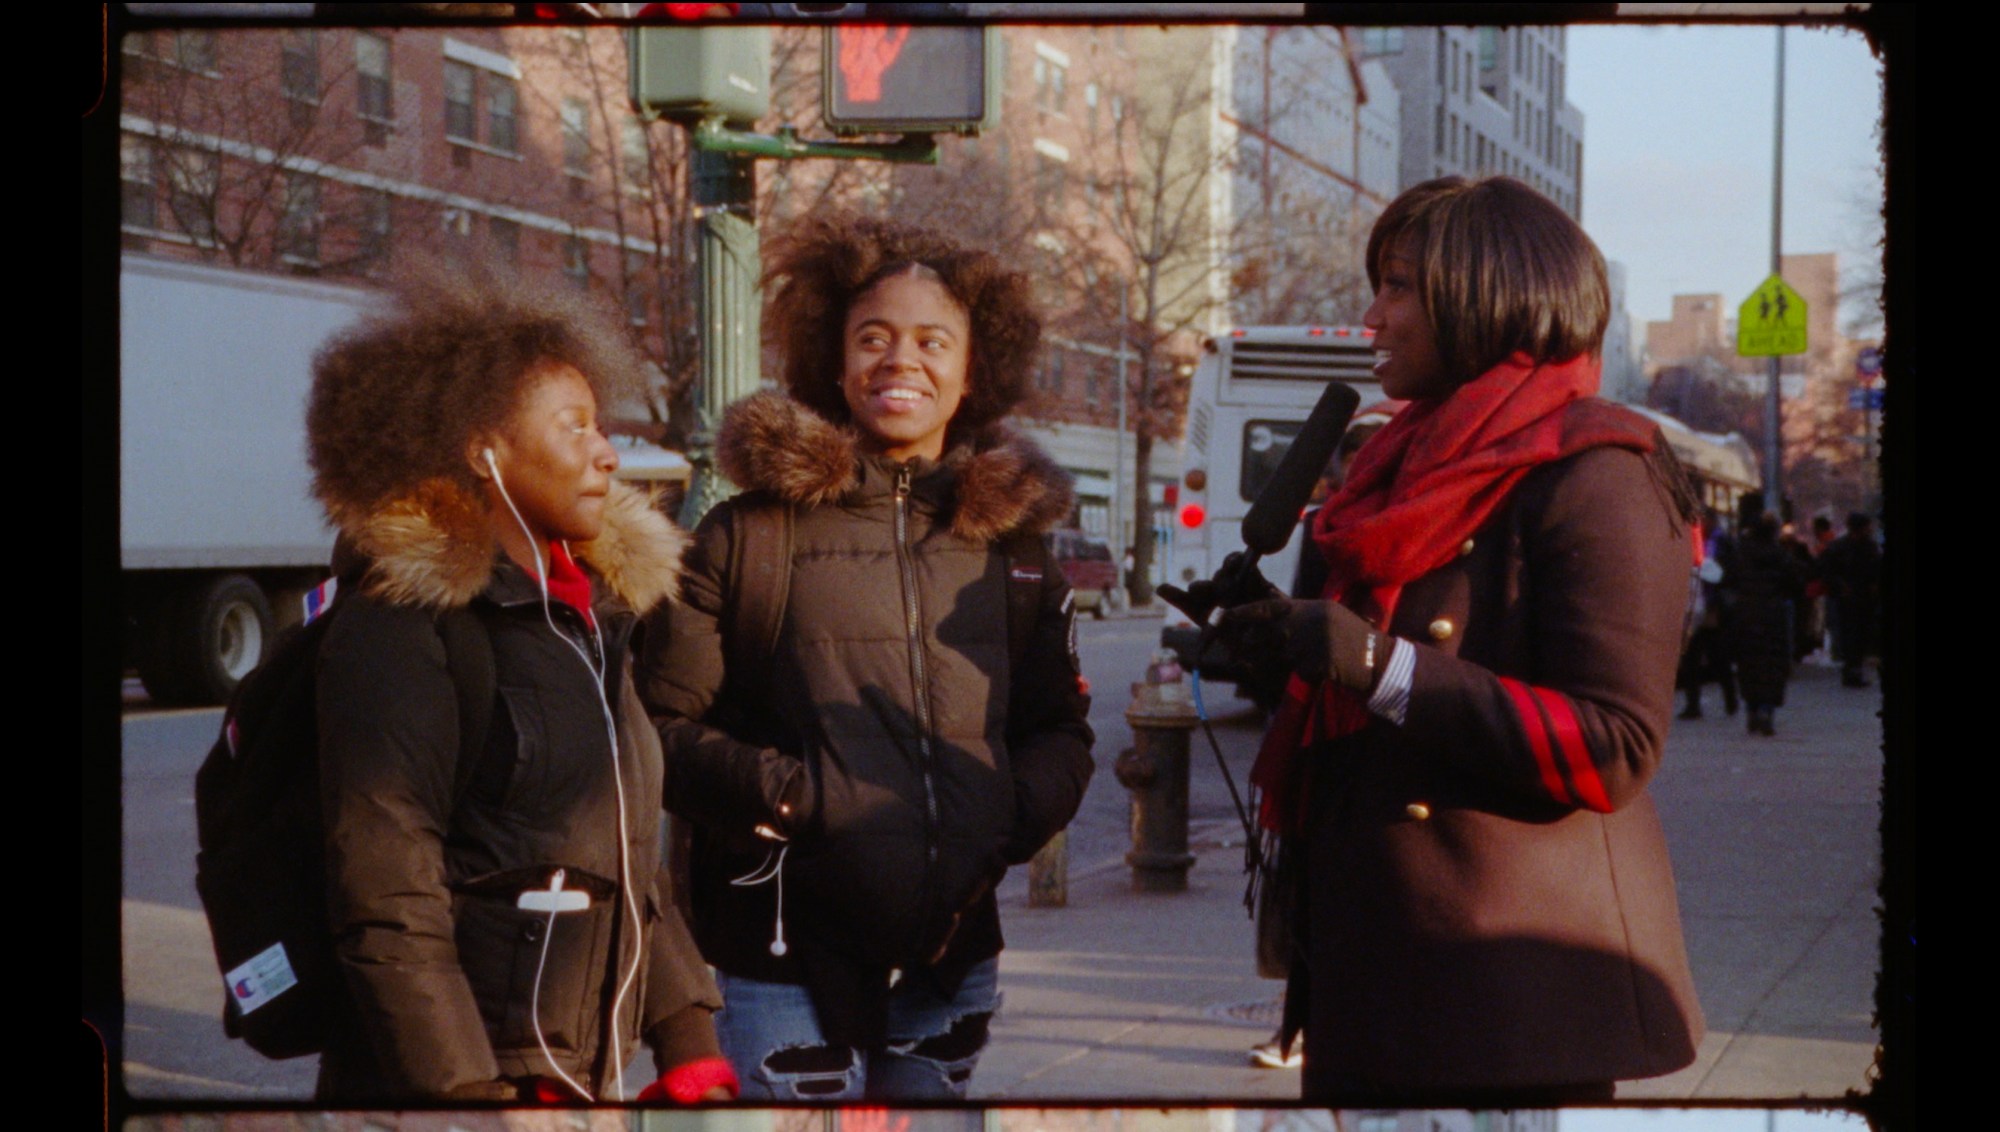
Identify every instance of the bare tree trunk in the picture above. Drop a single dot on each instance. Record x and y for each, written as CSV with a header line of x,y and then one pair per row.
x,y
1140,586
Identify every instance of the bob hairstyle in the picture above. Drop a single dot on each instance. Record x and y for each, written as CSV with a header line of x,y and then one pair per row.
x,y
1500,268
396,399
819,267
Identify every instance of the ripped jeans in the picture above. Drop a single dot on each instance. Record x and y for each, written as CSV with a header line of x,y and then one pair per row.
x,y
771,1035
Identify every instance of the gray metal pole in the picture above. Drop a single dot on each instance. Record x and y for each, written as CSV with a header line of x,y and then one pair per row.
x,y
1774,443
1118,442
724,187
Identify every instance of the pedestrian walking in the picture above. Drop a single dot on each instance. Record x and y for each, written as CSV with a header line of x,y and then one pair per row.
x,y
1488,915
1851,570
1706,659
870,696
510,939
1763,579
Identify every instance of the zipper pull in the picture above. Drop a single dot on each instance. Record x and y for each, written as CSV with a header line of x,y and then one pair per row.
x,y
902,482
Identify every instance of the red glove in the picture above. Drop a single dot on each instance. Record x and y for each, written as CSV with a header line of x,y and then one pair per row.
x,y
692,1083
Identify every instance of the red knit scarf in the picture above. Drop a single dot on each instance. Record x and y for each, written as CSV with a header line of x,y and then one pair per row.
x,y
1416,491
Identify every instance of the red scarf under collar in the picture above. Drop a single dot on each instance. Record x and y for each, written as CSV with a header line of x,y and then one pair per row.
x,y
1416,491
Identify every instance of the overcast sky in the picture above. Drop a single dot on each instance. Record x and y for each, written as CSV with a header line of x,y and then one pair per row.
x,y
1677,152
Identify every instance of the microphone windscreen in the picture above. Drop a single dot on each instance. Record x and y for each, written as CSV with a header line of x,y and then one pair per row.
x,y
1269,524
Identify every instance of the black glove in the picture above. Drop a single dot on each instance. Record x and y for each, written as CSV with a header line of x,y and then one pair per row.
x,y
1318,639
1238,581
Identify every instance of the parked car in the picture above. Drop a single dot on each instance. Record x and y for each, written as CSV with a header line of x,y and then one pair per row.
x,y
1087,566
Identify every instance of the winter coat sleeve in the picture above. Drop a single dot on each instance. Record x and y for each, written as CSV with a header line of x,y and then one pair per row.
x,y
389,741
681,998
1601,594
712,777
1048,729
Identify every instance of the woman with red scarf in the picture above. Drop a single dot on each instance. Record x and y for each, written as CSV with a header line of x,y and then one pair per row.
x,y
1487,913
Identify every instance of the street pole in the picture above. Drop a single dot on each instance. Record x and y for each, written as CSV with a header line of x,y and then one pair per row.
x,y
1118,441
1774,443
724,189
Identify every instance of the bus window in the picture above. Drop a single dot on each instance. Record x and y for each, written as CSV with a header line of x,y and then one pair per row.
x,y
1264,444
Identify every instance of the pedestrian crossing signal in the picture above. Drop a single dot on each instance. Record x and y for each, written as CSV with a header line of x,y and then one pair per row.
x,y
885,79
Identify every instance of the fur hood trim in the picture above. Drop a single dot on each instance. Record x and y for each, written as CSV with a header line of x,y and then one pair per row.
x,y
1005,484
433,548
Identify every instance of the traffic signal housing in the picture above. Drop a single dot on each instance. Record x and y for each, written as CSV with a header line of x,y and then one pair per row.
x,y
890,79
690,73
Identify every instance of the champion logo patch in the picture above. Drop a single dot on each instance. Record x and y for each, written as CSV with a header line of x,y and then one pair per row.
x,y
1025,574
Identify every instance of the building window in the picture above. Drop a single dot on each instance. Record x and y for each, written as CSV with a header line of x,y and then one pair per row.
x,y
375,226
576,137
1051,84
298,223
193,176
506,237
1090,98
1051,176
138,202
1381,41
374,89
1489,48
458,87
501,99
298,69
638,297
636,156
576,260
194,51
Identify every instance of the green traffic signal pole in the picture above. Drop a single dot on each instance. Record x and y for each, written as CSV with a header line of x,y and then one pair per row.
x,y
714,137
722,178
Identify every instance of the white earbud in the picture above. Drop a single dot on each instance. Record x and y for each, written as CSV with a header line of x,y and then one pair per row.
x,y
492,463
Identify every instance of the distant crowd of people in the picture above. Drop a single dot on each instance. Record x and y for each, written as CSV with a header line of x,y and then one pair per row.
x,y
1765,599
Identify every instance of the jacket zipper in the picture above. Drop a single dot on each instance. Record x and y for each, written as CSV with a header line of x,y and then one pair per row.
x,y
913,634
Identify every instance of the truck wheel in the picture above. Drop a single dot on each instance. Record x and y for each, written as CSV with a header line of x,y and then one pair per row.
x,y
206,638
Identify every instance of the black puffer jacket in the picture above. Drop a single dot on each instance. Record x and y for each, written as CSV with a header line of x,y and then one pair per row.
x,y
921,760
423,878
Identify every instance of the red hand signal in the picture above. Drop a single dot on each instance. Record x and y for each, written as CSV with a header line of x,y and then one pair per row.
x,y
866,51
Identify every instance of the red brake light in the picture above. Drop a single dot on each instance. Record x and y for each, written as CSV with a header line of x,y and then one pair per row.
x,y
1193,516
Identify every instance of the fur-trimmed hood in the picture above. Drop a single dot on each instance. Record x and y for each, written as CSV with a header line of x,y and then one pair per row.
x,y
1004,484
434,547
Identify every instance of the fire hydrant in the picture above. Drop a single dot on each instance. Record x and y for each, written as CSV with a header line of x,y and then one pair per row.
x,y
1155,770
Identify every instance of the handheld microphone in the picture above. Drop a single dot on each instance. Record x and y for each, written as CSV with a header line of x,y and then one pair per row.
x,y
1268,526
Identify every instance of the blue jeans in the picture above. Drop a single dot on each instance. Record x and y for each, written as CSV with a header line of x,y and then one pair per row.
x,y
771,1035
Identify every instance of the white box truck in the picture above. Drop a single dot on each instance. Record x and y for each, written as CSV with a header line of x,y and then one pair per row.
x,y
218,533
220,537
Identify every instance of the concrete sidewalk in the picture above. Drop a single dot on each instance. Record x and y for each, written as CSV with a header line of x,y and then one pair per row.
x,y
1134,996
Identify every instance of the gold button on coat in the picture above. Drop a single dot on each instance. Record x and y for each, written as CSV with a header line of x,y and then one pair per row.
x,y
1441,629
1418,811
1465,548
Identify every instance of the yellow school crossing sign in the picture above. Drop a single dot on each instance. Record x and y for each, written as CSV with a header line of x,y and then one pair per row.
x,y
1772,321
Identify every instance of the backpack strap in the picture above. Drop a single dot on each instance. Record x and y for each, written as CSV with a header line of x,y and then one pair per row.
x,y
468,656
760,583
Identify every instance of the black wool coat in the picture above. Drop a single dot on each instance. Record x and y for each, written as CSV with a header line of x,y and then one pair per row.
x,y
1488,902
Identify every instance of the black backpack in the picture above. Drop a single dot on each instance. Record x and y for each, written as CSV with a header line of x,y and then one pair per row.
x,y
260,867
